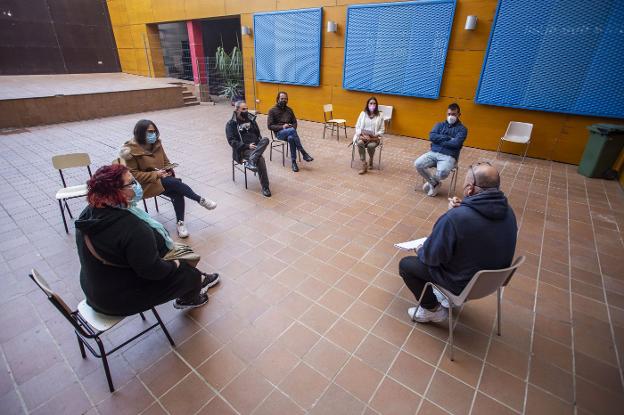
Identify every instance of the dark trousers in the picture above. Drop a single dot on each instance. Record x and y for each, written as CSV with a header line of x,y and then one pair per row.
x,y
290,135
255,157
177,191
416,275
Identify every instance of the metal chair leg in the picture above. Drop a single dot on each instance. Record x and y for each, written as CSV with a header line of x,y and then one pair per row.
x,y
324,129
105,363
352,154
233,174
162,326
450,322
156,203
142,316
67,207
498,309
245,173
81,346
63,215
500,143
526,150
145,205
380,148
283,156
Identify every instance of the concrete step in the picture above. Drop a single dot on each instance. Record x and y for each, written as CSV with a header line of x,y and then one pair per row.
x,y
191,103
190,98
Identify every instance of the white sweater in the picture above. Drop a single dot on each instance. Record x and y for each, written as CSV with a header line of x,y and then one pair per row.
x,y
364,122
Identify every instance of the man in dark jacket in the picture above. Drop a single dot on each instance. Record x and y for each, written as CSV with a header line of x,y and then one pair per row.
x,y
476,233
447,139
243,135
283,123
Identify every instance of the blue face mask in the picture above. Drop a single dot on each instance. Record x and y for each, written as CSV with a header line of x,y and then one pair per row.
x,y
151,137
138,192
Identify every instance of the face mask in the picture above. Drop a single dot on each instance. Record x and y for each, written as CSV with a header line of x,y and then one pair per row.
x,y
282,104
451,119
138,193
244,115
151,137
372,108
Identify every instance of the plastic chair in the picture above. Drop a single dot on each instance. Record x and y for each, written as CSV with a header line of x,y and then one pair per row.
x,y
517,132
387,114
484,283
333,123
68,161
89,325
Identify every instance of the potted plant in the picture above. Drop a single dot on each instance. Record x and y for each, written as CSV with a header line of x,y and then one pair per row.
x,y
230,69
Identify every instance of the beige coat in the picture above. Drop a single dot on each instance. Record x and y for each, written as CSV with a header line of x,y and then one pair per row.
x,y
143,165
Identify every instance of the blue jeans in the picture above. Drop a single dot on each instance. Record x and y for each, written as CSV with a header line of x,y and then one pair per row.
x,y
290,135
443,164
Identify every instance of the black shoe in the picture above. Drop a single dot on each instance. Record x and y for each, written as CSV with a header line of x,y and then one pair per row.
x,y
184,304
266,192
251,166
209,280
307,157
295,167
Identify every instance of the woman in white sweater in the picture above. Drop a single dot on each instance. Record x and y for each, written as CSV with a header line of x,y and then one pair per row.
x,y
368,131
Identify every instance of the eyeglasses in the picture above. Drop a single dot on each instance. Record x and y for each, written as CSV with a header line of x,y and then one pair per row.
x,y
131,184
474,177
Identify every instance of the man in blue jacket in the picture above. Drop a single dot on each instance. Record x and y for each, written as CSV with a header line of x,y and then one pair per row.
x,y
447,139
476,233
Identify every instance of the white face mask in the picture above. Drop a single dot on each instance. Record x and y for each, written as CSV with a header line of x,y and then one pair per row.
x,y
451,119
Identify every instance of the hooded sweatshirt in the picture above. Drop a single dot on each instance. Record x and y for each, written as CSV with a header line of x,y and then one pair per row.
x,y
123,239
479,234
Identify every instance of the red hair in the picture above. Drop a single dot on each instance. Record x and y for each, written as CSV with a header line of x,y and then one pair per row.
x,y
105,188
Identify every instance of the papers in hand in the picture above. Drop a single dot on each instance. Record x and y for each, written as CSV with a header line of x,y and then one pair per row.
x,y
170,166
409,245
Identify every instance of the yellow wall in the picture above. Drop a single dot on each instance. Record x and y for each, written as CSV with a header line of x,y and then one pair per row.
x,y
556,136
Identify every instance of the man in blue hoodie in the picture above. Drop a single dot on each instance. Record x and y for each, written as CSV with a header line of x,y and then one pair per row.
x,y
447,139
476,233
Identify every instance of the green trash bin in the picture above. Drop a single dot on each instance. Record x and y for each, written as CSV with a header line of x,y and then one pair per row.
x,y
602,149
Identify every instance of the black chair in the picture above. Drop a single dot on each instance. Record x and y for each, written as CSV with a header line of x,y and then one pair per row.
x,y
242,167
88,325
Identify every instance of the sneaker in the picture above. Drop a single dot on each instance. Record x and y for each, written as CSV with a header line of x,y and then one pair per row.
x,y
441,298
209,280
208,204
426,187
422,315
182,231
266,192
433,191
198,302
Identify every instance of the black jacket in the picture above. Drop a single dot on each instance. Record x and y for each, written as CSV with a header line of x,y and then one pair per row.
x,y
478,234
279,116
234,131
143,279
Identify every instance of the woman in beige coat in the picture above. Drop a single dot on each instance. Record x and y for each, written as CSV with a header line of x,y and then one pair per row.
x,y
369,130
145,157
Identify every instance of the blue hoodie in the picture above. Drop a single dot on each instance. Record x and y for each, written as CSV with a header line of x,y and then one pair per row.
x,y
478,234
448,138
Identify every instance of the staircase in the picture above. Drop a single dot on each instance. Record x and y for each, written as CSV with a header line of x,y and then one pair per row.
x,y
188,97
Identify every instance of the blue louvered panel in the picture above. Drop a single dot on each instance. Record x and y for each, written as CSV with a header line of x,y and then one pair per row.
x,y
556,55
398,48
288,46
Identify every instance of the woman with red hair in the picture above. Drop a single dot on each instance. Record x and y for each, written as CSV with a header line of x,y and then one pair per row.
x,y
121,250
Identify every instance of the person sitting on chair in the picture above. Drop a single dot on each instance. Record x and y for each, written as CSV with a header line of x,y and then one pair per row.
x,y
243,135
447,139
122,250
476,233
369,129
282,122
145,157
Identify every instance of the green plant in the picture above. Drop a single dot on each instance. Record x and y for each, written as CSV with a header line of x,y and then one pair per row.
x,y
231,89
230,68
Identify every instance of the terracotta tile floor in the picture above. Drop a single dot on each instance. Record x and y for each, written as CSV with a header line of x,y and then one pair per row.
x,y
310,315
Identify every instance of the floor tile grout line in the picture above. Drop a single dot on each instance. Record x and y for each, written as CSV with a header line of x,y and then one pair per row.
x,y
14,382
618,358
535,298
571,315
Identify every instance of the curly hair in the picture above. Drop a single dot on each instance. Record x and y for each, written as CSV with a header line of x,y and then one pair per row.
x,y
105,188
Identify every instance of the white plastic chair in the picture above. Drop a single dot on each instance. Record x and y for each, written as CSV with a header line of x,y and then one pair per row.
x,y
68,161
333,123
517,132
387,114
484,283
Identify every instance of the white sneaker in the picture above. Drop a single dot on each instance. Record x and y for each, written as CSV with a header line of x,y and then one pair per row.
x,y
422,315
433,190
441,298
426,187
207,203
182,231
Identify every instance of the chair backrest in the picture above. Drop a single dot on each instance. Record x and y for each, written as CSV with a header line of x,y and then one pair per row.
x,y
56,300
519,130
387,111
328,108
485,282
67,161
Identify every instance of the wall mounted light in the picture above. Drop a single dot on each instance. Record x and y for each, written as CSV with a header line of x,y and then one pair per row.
x,y
471,23
245,30
332,27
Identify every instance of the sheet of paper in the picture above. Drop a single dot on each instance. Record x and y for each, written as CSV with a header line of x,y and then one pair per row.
x,y
409,245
